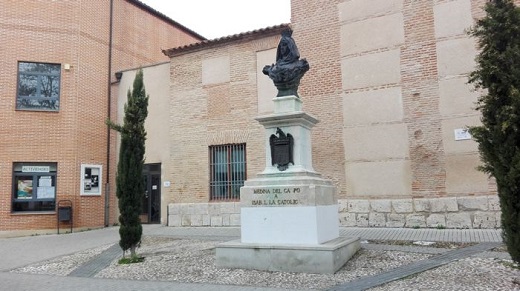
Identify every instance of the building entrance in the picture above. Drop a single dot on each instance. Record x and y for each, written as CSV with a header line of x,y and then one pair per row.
x,y
151,207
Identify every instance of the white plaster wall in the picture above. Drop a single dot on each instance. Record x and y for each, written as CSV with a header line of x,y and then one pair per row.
x,y
452,18
371,70
456,56
157,85
377,142
156,82
360,9
456,53
379,179
457,97
372,34
462,176
374,106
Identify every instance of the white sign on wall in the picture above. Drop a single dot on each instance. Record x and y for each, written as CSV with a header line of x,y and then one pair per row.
x,y
36,169
462,134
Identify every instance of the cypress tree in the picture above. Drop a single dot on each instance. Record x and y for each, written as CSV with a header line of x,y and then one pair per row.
x,y
498,72
129,179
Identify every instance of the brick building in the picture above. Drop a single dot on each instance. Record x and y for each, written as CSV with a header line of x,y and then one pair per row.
x,y
57,62
388,84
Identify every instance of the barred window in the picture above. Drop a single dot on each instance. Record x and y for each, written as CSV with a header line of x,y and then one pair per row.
x,y
38,86
227,171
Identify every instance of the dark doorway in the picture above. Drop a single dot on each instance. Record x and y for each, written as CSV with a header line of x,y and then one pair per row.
x,y
151,211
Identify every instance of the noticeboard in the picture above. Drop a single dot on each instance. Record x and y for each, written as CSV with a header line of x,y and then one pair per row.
x,y
91,177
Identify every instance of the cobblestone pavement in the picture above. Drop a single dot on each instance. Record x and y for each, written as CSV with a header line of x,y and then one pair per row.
x,y
100,248
414,268
14,281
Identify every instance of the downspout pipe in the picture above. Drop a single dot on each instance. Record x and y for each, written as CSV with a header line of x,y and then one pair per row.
x,y
109,91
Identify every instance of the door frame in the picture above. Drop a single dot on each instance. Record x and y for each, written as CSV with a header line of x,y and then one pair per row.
x,y
150,170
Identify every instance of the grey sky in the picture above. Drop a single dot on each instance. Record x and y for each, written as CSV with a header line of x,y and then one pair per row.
x,y
217,18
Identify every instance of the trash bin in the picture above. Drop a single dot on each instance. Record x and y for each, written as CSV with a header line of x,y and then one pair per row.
x,y
65,213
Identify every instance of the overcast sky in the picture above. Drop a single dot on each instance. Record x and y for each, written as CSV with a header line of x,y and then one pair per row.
x,y
217,18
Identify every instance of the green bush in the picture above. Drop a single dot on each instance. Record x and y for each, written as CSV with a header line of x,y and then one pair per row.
x,y
129,178
498,72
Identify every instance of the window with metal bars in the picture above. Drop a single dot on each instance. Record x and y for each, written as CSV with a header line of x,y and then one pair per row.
x,y
227,171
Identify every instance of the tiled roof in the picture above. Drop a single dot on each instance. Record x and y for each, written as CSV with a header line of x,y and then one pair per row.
x,y
268,31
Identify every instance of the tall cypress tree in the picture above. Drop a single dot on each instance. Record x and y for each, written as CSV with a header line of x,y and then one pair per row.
x,y
129,179
498,72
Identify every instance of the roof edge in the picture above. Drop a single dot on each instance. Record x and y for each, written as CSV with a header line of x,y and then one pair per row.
x,y
166,18
268,31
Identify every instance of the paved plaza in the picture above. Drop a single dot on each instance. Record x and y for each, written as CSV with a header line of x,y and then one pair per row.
x,y
23,251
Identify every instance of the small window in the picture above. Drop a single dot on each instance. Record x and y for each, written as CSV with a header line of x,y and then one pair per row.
x,y
38,86
34,187
227,171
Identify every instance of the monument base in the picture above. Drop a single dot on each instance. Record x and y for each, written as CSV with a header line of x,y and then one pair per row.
x,y
326,258
289,223
289,213
296,209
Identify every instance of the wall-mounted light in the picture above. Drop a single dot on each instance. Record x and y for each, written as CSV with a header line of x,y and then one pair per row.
x,y
66,67
119,75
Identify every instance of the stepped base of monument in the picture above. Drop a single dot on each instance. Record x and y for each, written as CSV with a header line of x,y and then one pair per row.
x,y
325,258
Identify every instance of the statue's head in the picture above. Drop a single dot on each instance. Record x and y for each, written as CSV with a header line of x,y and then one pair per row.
x,y
287,51
287,32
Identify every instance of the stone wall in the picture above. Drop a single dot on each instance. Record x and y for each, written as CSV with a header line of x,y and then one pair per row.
x,y
449,212
204,214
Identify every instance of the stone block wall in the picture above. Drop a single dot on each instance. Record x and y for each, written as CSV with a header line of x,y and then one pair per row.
x,y
448,212
204,214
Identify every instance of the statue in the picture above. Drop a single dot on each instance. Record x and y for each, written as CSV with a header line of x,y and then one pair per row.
x,y
288,69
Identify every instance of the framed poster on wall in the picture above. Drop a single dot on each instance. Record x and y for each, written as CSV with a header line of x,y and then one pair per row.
x,y
91,180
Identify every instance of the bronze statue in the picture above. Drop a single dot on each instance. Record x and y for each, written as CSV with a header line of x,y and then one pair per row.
x,y
288,69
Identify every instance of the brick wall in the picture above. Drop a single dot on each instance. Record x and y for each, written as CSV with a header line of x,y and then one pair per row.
x,y
388,84
212,103
420,91
316,29
75,33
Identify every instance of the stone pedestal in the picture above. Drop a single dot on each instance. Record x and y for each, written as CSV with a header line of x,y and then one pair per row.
x,y
289,218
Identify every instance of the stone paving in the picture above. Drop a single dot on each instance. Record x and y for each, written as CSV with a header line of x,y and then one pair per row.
x,y
81,278
414,268
425,234
14,282
94,266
